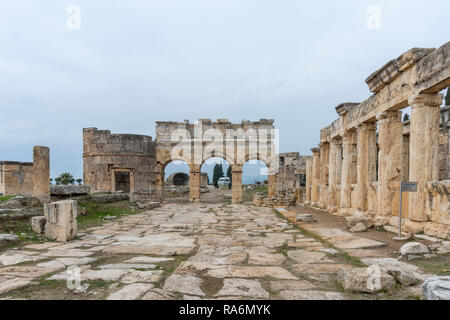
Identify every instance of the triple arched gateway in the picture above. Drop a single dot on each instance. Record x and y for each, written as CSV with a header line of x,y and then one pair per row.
x,y
194,143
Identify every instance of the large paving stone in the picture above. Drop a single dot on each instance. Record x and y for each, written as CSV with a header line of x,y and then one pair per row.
x,y
310,295
131,292
184,284
12,283
305,256
243,288
251,272
291,285
264,258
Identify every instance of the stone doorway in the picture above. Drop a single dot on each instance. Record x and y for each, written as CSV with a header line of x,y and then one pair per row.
x,y
122,181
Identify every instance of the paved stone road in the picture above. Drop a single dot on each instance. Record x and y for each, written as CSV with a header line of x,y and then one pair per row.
x,y
187,251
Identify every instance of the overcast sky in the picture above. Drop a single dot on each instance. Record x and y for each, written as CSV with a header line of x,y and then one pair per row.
x,y
136,62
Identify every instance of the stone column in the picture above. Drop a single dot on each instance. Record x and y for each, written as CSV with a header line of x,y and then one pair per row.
x,y
324,174
194,183
366,165
315,177
236,187
348,171
159,184
271,186
309,163
41,173
334,174
390,142
424,152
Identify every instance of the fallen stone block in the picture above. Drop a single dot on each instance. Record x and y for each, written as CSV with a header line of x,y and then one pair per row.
x,y
359,227
369,280
147,204
38,224
359,217
412,250
61,220
7,239
305,217
436,288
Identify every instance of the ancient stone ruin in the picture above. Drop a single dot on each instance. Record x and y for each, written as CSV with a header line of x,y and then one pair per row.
x,y
27,178
118,162
368,150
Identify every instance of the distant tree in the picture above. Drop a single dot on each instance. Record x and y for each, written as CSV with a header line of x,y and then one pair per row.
x,y
65,179
229,174
447,97
217,172
405,117
79,181
51,181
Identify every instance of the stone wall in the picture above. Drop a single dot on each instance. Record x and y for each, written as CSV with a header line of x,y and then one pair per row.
x,y
27,178
113,162
16,178
368,150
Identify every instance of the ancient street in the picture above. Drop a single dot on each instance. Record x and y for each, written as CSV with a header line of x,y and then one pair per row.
x,y
196,251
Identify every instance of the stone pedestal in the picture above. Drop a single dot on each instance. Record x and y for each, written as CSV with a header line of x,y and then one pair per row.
x,y
348,176
236,186
390,142
366,166
424,149
194,183
315,179
41,173
61,220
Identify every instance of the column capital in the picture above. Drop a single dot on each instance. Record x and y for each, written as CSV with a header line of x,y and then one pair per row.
x,y
336,141
349,137
315,151
367,126
389,116
426,100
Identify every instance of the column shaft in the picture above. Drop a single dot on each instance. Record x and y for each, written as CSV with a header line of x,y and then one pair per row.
x,y
236,187
194,183
315,177
41,173
366,163
424,149
390,141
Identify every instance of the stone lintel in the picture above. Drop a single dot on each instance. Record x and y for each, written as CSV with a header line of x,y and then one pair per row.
x,y
345,107
393,69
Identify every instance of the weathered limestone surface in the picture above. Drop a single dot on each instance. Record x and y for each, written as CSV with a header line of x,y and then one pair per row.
x,y
61,220
113,162
414,150
41,173
366,165
423,163
315,176
390,141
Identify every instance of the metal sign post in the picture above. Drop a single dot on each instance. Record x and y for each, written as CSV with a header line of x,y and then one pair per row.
x,y
405,186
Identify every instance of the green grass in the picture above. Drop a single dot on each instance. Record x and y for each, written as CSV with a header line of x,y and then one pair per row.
x,y
98,211
247,195
439,265
5,198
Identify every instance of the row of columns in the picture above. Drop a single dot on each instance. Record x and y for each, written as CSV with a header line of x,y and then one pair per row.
x,y
352,159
